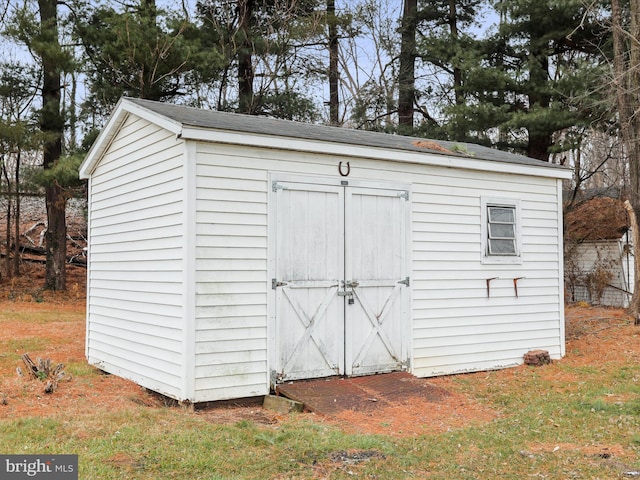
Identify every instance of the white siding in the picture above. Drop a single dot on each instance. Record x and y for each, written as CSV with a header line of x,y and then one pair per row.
x,y
136,258
231,281
232,278
455,327
610,256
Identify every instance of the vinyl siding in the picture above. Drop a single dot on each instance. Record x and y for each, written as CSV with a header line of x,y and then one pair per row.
x,y
136,258
610,255
231,278
455,327
232,261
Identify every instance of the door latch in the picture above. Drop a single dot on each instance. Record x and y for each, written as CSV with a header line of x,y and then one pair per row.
x,y
350,294
352,284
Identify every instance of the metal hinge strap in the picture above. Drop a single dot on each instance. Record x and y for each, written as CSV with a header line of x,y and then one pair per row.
x,y
275,283
275,186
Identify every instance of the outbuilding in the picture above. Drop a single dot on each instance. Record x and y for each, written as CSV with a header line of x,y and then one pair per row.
x,y
598,255
229,253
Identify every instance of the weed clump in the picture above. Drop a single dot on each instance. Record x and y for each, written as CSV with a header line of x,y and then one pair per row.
x,y
43,370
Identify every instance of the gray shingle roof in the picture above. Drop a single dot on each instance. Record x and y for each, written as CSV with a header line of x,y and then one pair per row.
x,y
211,119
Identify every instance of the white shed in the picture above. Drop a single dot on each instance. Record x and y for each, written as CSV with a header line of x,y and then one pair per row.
x,y
598,256
229,253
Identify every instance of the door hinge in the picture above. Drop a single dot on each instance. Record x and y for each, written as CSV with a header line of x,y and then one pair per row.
x,y
275,283
275,186
404,194
405,281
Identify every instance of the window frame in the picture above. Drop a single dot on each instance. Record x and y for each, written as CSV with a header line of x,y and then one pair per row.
x,y
501,258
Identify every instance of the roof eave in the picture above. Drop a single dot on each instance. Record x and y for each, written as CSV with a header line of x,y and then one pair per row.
x,y
281,140
432,158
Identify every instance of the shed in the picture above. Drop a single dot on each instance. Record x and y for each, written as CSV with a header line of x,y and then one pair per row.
x,y
599,261
229,253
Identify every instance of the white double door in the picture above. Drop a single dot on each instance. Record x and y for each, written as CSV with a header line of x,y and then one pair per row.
x,y
341,280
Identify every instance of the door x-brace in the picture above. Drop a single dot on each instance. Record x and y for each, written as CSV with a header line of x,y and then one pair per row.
x,y
376,322
310,323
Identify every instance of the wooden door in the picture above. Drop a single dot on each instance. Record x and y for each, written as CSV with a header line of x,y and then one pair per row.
x,y
309,323
341,284
376,273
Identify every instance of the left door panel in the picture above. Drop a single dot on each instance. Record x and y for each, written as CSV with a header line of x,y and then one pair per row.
x,y
309,320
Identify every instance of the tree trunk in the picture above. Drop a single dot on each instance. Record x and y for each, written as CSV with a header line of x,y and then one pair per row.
x,y
56,238
52,125
635,235
7,239
245,58
538,147
16,251
334,101
7,236
459,133
406,74
626,61
540,138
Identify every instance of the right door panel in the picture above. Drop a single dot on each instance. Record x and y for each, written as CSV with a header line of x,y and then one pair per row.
x,y
377,275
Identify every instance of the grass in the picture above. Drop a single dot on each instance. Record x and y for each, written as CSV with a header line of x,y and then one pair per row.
x,y
10,351
38,313
170,443
583,423
142,443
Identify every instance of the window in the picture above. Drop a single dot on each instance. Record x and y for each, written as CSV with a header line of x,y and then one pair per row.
x,y
501,230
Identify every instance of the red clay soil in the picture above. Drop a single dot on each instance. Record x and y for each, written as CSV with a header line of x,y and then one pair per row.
x,y
90,392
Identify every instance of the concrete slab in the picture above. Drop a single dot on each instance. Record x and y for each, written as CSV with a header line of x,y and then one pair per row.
x,y
281,404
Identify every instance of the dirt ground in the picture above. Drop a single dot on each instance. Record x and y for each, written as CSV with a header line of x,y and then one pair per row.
x,y
593,335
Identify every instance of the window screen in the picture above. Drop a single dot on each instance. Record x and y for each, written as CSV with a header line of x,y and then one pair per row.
x,y
501,229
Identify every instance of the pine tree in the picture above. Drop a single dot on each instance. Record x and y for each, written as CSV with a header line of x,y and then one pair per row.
x,y
269,54
406,71
531,76
139,52
39,27
447,49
